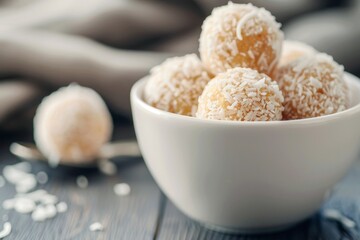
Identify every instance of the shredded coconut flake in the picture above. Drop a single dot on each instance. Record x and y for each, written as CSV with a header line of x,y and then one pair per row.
x,y
122,189
61,207
42,177
336,215
23,181
39,203
95,227
82,181
108,168
6,230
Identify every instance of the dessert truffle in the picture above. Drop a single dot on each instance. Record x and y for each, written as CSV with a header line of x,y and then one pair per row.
x,y
241,94
293,50
312,86
72,124
240,35
176,84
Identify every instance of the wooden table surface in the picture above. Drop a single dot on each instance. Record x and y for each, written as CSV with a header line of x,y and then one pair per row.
x,y
144,214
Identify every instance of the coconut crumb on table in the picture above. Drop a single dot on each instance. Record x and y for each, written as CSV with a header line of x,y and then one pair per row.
x,y
82,181
42,177
39,203
96,227
6,230
19,175
61,207
122,189
336,215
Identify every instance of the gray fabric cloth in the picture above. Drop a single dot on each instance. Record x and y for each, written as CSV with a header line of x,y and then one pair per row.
x,y
56,42
51,43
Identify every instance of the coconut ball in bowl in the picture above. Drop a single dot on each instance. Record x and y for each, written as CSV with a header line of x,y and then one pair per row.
x,y
176,84
71,125
240,35
247,176
313,86
293,50
241,94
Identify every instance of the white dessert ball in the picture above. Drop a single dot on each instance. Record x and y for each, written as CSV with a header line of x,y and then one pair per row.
x,y
293,50
72,124
313,86
240,35
176,84
241,94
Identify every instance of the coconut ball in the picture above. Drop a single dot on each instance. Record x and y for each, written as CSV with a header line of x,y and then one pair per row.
x,y
313,86
241,94
175,85
240,35
293,50
72,124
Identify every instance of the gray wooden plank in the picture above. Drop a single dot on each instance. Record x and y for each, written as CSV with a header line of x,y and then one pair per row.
x,y
130,217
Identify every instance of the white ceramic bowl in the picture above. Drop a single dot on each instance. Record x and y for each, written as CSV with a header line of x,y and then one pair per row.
x,y
247,176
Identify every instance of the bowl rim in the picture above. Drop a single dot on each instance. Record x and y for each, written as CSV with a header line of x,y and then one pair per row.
x,y
136,99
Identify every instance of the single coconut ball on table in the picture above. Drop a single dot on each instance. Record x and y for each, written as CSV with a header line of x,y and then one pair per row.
x,y
175,85
241,94
71,125
293,50
240,35
313,86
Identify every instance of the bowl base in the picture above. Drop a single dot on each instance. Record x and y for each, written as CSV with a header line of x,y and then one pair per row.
x,y
252,231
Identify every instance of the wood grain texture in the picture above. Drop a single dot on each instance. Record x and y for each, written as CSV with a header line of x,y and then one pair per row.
x,y
128,217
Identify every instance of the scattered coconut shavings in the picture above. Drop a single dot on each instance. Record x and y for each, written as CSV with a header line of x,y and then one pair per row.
x,y
18,175
336,215
6,230
82,181
61,207
2,182
24,205
39,215
23,166
122,189
96,227
50,211
108,168
42,177
8,204
39,203
43,212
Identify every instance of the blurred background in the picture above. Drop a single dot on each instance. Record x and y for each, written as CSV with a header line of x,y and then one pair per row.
x,y
109,44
